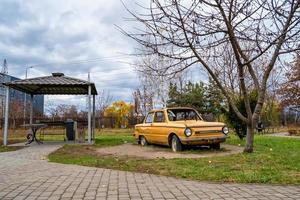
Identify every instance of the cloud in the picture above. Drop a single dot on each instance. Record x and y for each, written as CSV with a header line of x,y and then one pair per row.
x,y
35,32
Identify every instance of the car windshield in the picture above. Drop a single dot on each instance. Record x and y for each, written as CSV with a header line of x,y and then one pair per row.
x,y
182,114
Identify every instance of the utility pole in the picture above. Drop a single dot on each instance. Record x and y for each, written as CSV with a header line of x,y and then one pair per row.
x,y
4,69
3,79
25,96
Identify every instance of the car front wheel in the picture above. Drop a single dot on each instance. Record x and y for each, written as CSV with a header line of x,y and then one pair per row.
x,y
176,144
143,141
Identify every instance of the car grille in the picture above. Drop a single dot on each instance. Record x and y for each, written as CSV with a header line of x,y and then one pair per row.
x,y
208,131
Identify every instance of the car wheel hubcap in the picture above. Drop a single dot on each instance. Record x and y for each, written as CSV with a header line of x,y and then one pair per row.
x,y
174,145
143,141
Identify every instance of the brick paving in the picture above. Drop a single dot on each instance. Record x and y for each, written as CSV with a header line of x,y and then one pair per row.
x,y
26,174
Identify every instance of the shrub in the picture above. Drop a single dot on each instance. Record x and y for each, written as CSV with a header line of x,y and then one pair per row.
x,y
236,123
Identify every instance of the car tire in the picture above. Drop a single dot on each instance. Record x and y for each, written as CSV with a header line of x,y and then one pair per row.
x,y
176,144
216,146
143,141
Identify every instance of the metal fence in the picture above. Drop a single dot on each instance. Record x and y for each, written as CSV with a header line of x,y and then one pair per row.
x,y
128,122
100,122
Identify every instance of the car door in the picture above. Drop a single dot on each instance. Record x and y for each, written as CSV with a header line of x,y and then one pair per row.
x,y
159,128
147,127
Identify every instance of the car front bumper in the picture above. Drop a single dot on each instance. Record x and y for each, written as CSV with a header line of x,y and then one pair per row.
x,y
202,141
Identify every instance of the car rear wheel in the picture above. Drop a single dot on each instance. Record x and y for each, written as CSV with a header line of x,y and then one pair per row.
x,y
215,146
176,144
143,141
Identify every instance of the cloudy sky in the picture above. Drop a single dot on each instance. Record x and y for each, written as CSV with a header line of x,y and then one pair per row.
x,y
71,36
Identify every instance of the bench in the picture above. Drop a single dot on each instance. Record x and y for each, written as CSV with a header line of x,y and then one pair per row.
x,y
53,132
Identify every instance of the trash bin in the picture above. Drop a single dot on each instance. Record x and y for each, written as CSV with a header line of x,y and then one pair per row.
x,y
260,127
70,129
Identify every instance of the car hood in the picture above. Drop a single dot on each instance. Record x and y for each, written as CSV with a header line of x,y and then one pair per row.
x,y
194,123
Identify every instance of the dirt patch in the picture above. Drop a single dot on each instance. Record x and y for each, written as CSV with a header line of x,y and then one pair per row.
x,y
154,152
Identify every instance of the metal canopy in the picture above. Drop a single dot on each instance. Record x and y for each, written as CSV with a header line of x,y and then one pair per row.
x,y
58,83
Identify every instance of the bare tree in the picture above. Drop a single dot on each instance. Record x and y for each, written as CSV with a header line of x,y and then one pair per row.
x,y
104,99
69,111
194,32
150,77
62,111
143,100
51,110
16,111
154,84
290,89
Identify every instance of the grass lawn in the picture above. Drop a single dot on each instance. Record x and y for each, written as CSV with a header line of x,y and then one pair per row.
x,y
275,161
111,137
8,148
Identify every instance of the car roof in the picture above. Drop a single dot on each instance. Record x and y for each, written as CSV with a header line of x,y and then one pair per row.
x,y
179,108
162,109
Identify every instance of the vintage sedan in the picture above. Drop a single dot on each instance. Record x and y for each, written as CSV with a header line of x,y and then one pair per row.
x,y
178,127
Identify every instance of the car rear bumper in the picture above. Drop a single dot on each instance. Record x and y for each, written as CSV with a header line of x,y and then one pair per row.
x,y
202,141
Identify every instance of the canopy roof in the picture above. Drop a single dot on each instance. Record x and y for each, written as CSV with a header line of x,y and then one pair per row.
x,y
58,83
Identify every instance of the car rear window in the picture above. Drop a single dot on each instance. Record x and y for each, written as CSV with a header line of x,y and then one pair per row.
x,y
149,118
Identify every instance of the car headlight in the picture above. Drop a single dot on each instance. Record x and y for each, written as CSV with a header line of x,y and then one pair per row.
x,y
188,132
225,130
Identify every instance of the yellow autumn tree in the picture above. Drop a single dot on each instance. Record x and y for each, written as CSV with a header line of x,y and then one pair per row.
x,y
120,110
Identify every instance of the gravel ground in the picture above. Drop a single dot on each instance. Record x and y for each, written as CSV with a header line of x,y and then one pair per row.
x,y
153,152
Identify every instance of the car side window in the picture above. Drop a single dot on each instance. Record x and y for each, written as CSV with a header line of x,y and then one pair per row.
x,y
171,116
149,118
159,117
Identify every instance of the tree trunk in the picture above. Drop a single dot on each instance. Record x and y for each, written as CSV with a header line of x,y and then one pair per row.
x,y
14,123
249,139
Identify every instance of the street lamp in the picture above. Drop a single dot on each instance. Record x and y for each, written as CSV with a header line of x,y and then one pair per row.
x,y
25,100
26,70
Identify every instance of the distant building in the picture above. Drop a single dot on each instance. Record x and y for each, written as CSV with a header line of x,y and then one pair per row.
x,y
15,95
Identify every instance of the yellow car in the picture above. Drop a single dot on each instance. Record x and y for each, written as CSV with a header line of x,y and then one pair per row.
x,y
178,127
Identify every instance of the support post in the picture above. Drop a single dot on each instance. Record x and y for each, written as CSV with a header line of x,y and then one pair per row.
x,y
94,121
5,133
31,109
24,111
89,114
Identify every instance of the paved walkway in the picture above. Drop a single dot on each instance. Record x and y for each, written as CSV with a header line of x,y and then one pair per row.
x,y
25,174
284,134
